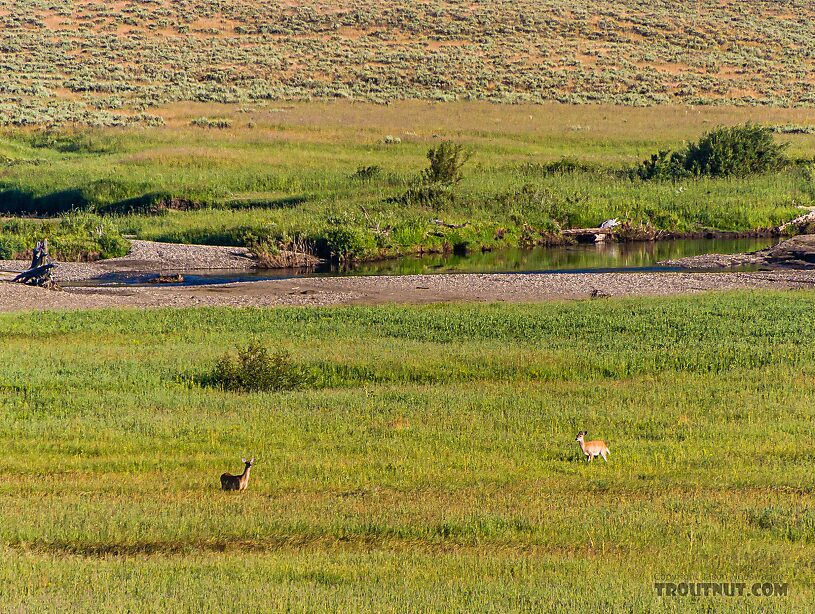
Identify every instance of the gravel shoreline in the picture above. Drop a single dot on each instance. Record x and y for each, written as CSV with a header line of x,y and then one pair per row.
x,y
415,289
148,256
160,258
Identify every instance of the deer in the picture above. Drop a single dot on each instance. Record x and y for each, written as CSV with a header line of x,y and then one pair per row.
x,y
238,482
592,449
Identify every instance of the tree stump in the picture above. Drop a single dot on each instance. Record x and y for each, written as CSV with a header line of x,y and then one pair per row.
x,y
39,274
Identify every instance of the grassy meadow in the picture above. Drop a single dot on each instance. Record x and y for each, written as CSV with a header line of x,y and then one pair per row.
x,y
341,178
427,462
429,465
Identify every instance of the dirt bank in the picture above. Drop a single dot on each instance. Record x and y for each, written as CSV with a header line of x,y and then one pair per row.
x,y
403,289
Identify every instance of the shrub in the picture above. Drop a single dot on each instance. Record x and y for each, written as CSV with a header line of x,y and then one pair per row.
x,y
256,370
206,122
737,151
85,236
446,162
547,210
563,166
343,243
366,173
664,165
77,237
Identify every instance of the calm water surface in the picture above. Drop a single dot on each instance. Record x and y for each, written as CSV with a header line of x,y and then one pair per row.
x,y
574,258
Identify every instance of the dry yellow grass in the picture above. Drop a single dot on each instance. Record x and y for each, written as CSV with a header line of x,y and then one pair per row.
x,y
559,128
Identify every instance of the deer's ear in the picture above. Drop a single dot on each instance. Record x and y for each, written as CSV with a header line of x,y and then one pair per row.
x,y
243,460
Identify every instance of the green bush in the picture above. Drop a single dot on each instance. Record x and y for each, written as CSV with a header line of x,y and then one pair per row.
x,y
664,165
446,162
344,243
85,236
542,208
737,151
256,370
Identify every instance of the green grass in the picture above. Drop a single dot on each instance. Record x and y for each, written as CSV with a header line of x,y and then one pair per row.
x,y
290,178
431,466
74,237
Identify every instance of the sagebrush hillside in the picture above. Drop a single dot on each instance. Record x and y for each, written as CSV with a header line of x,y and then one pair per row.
x,y
112,62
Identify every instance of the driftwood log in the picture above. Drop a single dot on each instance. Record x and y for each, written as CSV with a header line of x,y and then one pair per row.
x,y
39,273
801,220
589,235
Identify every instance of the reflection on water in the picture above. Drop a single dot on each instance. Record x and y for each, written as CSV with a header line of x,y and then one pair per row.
x,y
591,257
582,257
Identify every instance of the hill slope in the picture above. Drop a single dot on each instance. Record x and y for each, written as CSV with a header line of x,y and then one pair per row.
x,y
112,62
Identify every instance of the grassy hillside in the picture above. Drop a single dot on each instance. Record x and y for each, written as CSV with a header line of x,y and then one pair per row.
x,y
112,63
430,467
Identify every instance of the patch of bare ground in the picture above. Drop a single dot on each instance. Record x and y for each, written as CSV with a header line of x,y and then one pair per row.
x,y
157,257
413,289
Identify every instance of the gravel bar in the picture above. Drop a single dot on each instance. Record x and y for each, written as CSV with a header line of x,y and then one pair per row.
x,y
415,289
159,258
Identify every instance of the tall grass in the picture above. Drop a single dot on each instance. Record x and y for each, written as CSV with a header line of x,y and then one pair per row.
x,y
431,465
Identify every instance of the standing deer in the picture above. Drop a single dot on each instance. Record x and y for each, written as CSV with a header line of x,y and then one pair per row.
x,y
592,449
238,482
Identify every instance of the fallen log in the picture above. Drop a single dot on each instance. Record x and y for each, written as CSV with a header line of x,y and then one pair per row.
x,y
176,278
588,231
38,271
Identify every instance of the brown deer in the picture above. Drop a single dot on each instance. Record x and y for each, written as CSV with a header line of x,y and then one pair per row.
x,y
238,482
592,449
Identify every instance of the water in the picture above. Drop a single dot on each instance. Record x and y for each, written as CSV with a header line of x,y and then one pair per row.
x,y
595,257
600,257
